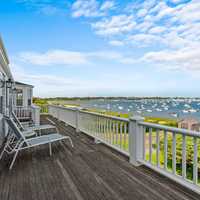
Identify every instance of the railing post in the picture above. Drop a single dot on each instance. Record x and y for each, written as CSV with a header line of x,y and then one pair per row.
x,y
36,114
135,140
77,120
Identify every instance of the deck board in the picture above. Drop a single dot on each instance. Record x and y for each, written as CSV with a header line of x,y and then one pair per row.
x,y
87,172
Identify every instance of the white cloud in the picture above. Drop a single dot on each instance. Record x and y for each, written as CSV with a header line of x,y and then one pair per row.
x,y
142,13
69,58
115,25
144,26
104,55
91,8
54,57
144,39
48,85
183,59
107,5
157,30
174,29
116,43
86,8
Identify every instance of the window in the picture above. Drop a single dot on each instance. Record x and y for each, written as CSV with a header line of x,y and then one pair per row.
x,y
29,102
19,97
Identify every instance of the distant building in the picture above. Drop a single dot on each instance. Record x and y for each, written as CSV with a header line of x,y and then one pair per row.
x,y
190,124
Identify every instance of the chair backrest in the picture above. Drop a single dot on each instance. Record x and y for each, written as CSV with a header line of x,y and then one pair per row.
x,y
18,123
15,130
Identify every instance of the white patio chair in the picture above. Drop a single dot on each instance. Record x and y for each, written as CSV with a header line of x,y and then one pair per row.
x,y
16,141
30,131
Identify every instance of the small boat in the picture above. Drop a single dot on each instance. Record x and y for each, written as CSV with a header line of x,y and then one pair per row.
x,y
192,110
174,114
158,109
120,107
187,105
185,111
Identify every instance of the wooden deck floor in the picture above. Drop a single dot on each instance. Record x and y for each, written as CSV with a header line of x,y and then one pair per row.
x,y
87,172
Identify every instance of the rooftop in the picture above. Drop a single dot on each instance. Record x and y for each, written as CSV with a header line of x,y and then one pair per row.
x,y
88,172
23,84
189,120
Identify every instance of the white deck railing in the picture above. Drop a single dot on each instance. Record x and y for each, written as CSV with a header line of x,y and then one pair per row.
x,y
167,150
161,144
112,131
30,113
23,113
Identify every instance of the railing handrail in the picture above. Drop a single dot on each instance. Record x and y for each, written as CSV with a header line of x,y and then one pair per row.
x,y
171,129
22,107
92,113
63,107
106,116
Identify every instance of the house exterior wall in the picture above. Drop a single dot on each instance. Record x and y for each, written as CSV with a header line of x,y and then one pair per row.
x,y
27,94
27,101
190,124
5,93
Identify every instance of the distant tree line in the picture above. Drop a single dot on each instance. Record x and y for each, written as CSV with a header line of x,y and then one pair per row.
x,y
111,98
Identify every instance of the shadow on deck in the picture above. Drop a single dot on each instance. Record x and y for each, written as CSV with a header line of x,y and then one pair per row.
x,y
88,172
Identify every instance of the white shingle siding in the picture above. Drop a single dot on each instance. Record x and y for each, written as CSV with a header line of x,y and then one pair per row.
x,y
5,74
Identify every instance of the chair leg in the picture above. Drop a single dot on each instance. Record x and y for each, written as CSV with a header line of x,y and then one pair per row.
x,y
50,149
71,142
1,155
13,161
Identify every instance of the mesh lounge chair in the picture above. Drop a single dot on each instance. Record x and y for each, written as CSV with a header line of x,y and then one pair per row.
x,y
16,141
29,131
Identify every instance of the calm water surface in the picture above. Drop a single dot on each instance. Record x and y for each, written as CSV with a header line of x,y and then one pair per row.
x,y
170,108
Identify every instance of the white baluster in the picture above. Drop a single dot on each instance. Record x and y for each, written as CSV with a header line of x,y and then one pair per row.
x,y
144,142
125,134
150,145
195,162
184,156
158,147
165,150
174,153
120,134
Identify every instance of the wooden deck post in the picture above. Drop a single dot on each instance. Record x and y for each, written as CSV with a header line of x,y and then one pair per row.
x,y
135,140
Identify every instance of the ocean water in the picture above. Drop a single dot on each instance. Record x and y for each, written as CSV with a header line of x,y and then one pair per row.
x,y
169,108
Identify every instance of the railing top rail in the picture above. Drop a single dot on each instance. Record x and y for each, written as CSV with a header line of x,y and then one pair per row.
x,y
22,107
171,129
62,107
106,116
92,113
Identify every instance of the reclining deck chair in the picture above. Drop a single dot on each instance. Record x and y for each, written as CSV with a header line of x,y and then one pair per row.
x,y
29,131
16,141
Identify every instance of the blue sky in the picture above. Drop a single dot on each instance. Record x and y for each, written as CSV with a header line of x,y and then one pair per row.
x,y
104,48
